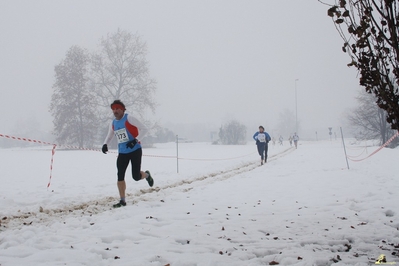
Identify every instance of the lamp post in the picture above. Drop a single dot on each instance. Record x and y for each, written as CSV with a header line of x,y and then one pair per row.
x,y
296,109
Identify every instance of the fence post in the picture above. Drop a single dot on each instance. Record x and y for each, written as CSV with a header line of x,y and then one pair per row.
x,y
343,142
177,153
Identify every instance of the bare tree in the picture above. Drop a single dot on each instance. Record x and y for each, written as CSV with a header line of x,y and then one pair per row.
x,y
232,133
73,104
120,71
368,120
370,31
162,134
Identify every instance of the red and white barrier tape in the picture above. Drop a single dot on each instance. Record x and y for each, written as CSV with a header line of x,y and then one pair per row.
x,y
377,150
51,164
79,148
25,139
40,142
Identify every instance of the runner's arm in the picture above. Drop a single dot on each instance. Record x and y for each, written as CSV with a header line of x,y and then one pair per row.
x,y
142,129
110,134
255,137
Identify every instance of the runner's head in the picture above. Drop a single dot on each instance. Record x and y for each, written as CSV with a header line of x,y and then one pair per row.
x,y
118,108
118,104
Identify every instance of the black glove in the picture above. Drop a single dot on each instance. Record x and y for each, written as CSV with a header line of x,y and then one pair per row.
x,y
131,143
105,148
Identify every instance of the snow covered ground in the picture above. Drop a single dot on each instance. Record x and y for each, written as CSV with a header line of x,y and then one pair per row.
x,y
304,207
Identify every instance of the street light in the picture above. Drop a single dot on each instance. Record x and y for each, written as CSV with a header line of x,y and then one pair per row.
x,y
296,109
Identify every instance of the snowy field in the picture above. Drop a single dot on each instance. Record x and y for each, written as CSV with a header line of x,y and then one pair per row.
x,y
304,207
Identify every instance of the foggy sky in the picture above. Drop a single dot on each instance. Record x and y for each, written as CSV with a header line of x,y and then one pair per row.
x,y
213,60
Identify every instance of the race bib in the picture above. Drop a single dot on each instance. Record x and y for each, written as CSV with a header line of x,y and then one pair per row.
x,y
262,137
121,135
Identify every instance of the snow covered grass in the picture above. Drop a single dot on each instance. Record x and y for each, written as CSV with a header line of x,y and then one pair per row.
x,y
304,207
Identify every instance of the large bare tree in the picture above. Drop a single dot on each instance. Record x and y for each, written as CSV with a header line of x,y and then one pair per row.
x,y
368,121
370,30
120,71
73,104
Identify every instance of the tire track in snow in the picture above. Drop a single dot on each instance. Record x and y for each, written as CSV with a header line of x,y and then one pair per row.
x,y
92,207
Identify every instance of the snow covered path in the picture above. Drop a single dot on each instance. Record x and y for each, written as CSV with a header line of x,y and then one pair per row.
x,y
304,207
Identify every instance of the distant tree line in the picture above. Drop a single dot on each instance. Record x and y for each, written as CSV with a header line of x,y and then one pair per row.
x,y
87,82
